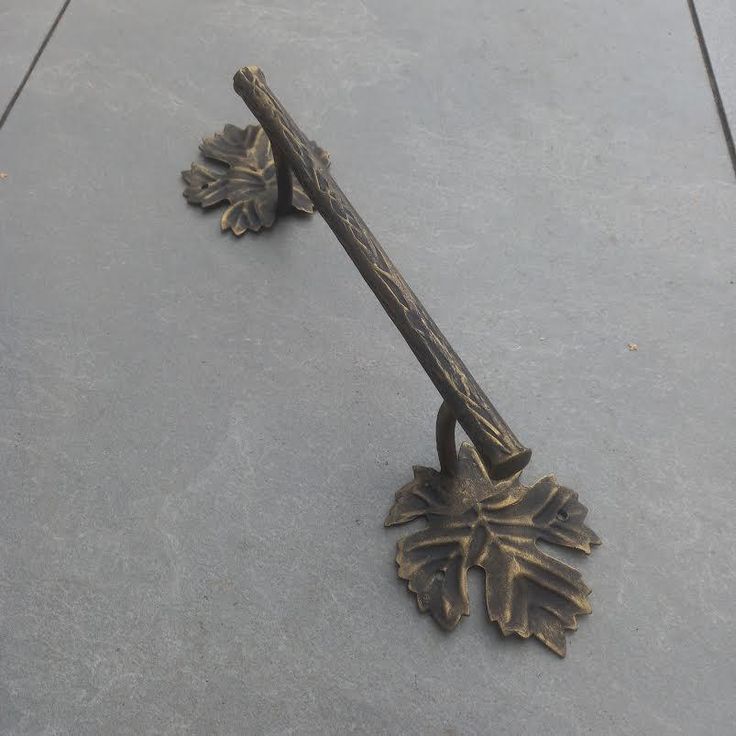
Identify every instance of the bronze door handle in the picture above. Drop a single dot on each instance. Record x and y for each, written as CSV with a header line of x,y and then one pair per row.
x,y
478,512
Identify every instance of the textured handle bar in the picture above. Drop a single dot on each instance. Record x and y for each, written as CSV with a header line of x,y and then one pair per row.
x,y
501,450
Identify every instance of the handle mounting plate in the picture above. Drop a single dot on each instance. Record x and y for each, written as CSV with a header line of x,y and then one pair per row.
x,y
246,179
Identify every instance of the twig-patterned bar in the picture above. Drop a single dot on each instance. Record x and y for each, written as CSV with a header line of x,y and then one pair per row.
x,y
500,449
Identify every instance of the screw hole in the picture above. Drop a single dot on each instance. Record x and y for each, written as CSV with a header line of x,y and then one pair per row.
x,y
562,515
204,186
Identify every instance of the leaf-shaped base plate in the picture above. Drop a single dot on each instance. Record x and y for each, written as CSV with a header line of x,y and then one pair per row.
x,y
474,521
248,183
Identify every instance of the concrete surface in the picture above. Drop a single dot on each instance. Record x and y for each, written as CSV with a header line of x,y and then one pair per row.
x,y
23,25
201,435
718,20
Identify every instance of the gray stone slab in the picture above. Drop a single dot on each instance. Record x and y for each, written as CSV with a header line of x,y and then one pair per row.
x,y
201,435
718,20
23,26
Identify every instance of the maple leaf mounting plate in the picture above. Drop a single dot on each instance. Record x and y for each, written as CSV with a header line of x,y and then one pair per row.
x,y
475,521
247,180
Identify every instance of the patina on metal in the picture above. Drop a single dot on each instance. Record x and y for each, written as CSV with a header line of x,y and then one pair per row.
x,y
479,513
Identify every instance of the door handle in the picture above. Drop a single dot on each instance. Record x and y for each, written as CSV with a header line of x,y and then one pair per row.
x,y
478,511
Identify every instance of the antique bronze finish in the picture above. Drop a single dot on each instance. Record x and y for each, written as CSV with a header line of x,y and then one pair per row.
x,y
478,512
